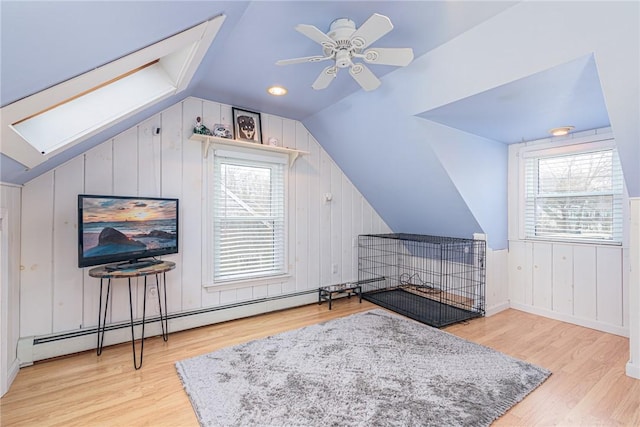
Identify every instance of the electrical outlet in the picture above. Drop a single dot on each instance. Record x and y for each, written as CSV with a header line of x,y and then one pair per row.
x,y
334,268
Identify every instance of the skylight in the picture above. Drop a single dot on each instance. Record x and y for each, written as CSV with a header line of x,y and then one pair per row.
x,y
39,126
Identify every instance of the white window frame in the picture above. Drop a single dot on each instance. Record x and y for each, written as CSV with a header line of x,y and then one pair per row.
x,y
567,147
245,155
40,126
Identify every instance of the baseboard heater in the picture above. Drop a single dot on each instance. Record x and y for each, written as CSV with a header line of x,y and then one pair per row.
x,y
31,349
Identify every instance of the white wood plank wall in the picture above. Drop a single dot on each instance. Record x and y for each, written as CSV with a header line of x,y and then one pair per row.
x,y
10,197
57,296
497,288
581,284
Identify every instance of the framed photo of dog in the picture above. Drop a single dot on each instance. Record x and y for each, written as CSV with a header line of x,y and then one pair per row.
x,y
247,125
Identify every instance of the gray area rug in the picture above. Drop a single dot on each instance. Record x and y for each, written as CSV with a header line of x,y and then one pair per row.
x,y
367,369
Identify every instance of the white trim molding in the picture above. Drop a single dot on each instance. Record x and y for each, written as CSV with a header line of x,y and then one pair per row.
x,y
32,349
633,366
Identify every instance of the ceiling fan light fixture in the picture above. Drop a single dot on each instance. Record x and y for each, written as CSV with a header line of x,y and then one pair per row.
x,y
277,90
343,58
561,131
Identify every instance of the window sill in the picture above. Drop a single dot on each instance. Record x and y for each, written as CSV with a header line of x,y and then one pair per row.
x,y
245,283
571,242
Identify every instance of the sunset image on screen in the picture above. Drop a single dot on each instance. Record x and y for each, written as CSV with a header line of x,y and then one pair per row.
x,y
113,210
119,225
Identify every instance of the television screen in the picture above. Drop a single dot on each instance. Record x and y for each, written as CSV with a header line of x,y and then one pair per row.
x,y
117,228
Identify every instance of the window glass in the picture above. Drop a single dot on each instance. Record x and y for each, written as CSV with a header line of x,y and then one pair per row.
x,y
248,218
575,197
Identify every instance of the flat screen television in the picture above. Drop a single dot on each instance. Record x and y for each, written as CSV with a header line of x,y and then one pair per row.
x,y
127,230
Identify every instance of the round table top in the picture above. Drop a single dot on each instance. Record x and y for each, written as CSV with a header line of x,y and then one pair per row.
x,y
104,272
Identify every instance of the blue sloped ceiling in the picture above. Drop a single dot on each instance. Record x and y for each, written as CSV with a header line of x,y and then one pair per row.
x,y
420,176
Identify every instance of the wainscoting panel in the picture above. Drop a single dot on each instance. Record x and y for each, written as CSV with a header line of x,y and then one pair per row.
x,y
562,274
191,199
10,212
36,275
585,294
542,276
58,297
126,182
521,272
582,284
171,166
497,287
301,192
67,277
98,179
608,281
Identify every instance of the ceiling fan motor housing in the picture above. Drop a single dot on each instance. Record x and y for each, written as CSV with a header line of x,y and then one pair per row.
x,y
340,31
340,26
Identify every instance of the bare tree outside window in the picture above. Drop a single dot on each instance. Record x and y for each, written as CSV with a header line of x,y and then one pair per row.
x,y
575,196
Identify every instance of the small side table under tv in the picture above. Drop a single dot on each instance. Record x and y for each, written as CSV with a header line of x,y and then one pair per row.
x,y
123,271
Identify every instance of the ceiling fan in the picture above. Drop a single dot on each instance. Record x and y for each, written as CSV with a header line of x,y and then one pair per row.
x,y
344,43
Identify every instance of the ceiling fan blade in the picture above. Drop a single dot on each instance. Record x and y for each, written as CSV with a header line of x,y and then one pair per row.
x,y
364,77
316,35
316,58
325,78
373,28
400,56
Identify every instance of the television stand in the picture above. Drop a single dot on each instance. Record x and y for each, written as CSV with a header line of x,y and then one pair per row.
x,y
133,265
159,271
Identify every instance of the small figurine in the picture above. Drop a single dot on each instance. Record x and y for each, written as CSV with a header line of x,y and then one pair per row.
x,y
200,128
222,131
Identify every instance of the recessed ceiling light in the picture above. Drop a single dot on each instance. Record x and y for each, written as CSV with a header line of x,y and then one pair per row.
x,y
561,131
277,90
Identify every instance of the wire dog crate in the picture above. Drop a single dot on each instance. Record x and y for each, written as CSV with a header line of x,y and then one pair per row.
x,y
431,279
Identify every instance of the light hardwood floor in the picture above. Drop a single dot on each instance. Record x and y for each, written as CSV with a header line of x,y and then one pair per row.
x,y
588,386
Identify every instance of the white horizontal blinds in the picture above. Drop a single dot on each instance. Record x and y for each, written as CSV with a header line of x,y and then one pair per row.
x,y
574,196
249,218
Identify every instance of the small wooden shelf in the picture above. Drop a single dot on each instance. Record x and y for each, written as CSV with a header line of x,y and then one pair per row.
x,y
208,140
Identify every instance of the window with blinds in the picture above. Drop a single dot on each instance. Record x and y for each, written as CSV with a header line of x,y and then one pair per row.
x,y
248,216
574,197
